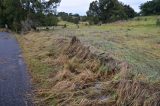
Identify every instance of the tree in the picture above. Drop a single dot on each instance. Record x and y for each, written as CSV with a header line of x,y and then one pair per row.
x,y
94,9
83,18
13,12
63,15
150,8
93,13
109,11
129,11
74,18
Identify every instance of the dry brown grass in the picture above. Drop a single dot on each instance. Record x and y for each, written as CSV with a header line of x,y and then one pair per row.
x,y
4,30
78,84
84,78
136,93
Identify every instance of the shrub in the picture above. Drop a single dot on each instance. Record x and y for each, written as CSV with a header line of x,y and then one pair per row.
x,y
137,19
158,22
145,19
16,26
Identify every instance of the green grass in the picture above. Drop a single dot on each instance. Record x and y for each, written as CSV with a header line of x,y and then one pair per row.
x,y
135,41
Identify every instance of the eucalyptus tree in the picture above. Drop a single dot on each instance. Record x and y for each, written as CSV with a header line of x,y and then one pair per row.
x,y
12,12
109,10
150,8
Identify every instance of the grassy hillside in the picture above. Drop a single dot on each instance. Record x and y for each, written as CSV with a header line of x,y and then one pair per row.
x,y
136,41
101,66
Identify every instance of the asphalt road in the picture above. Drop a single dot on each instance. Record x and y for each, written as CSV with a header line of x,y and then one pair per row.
x,y
14,79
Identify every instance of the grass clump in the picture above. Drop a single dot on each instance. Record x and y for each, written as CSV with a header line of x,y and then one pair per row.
x,y
158,22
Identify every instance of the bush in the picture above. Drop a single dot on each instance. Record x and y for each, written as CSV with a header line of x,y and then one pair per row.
x,y
93,20
145,19
158,22
137,19
16,26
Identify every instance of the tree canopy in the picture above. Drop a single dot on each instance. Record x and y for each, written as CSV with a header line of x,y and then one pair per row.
x,y
12,12
74,18
150,8
109,10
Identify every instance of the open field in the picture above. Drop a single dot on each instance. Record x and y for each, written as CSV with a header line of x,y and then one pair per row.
x,y
136,41
73,73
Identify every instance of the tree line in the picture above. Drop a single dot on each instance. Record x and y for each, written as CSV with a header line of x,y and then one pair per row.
x,y
73,18
18,14
27,14
104,11
109,11
150,8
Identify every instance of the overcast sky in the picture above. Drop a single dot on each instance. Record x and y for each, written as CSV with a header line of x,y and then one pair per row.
x,y
81,6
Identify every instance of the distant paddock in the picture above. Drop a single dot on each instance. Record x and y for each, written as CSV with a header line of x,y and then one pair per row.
x,y
50,27
44,28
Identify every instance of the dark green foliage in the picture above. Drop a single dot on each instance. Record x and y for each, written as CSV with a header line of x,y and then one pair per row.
x,y
83,18
109,11
150,8
93,13
44,20
129,11
14,12
93,20
158,22
51,20
74,18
